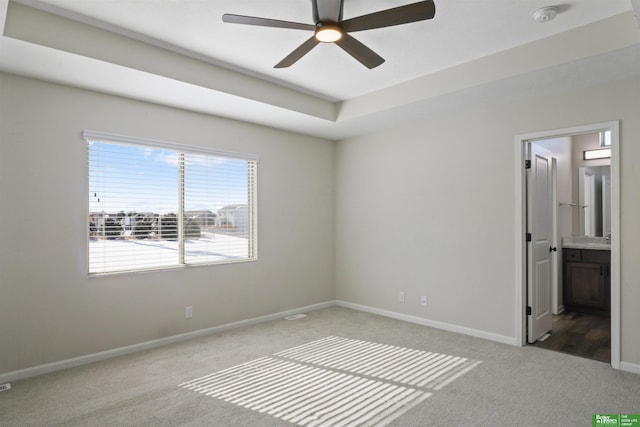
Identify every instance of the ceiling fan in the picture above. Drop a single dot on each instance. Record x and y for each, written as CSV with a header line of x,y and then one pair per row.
x,y
329,27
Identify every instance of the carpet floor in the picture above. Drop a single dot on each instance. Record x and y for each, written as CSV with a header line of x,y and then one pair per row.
x,y
334,367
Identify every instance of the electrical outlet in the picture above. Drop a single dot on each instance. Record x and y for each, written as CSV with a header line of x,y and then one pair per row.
x,y
423,300
401,297
188,312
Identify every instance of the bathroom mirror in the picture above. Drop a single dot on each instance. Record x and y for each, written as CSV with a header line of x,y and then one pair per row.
x,y
594,184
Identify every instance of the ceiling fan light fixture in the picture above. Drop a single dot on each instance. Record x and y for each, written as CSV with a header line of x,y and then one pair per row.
x,y
328,33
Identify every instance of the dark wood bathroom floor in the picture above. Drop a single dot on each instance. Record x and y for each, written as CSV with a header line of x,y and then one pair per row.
x,y
579,334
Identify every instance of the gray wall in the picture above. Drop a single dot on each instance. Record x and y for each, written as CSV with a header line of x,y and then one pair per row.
x,y
428,209
51,311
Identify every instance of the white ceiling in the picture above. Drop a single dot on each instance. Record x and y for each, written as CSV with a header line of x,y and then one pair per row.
x,y
334,96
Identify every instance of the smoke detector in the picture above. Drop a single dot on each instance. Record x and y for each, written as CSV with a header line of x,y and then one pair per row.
x,y
545,14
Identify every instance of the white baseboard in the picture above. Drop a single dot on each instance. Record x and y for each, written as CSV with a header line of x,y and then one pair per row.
x,y
560,310
624,366
431,323
95,357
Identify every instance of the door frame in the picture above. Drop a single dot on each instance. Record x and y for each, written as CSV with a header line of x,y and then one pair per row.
x,y
555,256
521,227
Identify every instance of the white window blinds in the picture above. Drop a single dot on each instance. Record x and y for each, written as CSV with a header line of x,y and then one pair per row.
x,y
157,205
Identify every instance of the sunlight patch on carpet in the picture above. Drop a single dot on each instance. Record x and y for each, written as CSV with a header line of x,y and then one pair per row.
x,y
306,395
335,381
387,362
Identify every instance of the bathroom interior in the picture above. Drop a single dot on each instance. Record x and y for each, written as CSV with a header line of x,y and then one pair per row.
x,y
582,304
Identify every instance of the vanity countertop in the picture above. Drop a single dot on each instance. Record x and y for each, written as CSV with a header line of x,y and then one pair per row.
x,y
581,242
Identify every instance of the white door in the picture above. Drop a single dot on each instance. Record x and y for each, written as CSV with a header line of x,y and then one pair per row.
x,y
540,226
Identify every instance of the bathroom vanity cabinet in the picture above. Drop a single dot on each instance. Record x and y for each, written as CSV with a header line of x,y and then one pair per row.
x,y
587,280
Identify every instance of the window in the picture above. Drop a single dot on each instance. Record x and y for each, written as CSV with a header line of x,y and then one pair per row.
x,y
155,205
605,138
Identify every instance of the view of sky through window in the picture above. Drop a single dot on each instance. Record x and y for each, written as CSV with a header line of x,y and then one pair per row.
x,y
138,193
143,179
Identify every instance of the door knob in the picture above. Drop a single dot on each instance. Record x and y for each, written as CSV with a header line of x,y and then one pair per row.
x,y
553,249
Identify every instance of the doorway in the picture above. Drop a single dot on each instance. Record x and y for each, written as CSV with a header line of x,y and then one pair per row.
x,y
563,208
580,334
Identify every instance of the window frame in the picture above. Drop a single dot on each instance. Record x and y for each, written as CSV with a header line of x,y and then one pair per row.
x,y
90,136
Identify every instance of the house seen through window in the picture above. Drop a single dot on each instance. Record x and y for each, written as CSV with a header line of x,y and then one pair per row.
x,y
158,205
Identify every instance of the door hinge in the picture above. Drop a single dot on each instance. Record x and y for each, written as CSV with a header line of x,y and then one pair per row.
x,y
527,164
528,311
528,237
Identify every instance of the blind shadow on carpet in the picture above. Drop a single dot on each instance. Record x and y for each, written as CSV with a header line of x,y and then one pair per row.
x,y
335,381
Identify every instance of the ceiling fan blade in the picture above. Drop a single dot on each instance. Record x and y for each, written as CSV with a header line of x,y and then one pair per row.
x,y
353,47
265,22
327,10
396,16
298,53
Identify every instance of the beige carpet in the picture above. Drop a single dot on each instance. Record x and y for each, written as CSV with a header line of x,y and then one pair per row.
x,y
334,367
335,381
